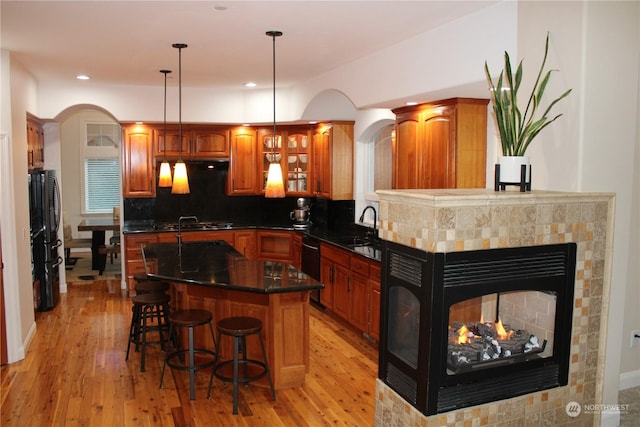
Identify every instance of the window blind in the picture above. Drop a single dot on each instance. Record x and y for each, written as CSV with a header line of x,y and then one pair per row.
x,y
102,184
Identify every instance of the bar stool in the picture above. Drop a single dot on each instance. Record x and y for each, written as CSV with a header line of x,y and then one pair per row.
x,y
240,328
150,313
190,319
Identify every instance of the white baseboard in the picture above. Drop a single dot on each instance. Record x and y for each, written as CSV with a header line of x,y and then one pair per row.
x,y
629,380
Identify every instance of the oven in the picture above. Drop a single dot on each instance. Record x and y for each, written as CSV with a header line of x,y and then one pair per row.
x,y
311,263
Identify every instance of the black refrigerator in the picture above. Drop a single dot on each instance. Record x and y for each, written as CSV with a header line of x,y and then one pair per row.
x,y
44,214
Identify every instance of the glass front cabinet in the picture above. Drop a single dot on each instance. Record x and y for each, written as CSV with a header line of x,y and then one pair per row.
x,y
292,149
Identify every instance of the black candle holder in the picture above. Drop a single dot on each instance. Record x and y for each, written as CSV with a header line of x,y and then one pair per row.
x,y
523,184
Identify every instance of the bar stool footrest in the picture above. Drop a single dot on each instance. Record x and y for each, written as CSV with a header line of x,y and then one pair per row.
x,y
224,378
196,351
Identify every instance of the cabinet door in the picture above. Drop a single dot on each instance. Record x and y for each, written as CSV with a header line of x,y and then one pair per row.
x,y
171,148
297,251
35,145
245,243
438,156
210,143
137,166
270,151
359,302
242,179
275,245
322,162
133,244
326,277
406,156
298,161
341,291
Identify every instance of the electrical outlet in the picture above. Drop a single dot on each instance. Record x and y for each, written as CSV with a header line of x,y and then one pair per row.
x,y
635,339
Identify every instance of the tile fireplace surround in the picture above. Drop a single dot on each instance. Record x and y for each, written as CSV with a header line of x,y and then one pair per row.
x,y
462,220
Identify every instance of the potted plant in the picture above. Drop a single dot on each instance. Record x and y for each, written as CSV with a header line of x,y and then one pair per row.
x,y
517,130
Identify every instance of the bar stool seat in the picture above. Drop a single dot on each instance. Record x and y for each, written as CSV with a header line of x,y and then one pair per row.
x,y
150,313
190,319
151,287
240,328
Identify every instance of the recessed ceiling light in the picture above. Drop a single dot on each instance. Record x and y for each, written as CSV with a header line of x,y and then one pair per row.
x,y
250,84
82,77
312,122
220,7
411,103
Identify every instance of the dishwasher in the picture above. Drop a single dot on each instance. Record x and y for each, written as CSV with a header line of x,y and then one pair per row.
x,y
311,263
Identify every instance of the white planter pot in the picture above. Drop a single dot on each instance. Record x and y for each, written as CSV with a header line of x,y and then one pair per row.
x,y
510,167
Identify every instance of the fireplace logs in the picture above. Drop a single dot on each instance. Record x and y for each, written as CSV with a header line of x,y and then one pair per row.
x,y
475,345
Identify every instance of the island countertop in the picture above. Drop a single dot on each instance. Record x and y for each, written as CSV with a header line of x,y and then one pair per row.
x,y
217,264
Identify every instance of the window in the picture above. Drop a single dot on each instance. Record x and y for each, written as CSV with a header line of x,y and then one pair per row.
x,y
102,185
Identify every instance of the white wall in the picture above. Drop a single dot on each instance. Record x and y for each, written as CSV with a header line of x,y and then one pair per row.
x,y
19,87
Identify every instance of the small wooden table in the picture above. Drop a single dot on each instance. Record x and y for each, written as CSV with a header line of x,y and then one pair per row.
x,y
98,226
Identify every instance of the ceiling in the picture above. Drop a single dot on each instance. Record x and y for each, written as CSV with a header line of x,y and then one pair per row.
x,y
128,42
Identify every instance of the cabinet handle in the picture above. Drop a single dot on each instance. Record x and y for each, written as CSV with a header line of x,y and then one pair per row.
x,y
30,152
348,284
331,275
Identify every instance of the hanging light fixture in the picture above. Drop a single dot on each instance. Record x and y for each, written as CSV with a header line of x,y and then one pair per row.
x,y
165,170
275,184
180,179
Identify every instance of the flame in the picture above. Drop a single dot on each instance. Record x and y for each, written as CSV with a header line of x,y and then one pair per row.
x,y
502,333
462,335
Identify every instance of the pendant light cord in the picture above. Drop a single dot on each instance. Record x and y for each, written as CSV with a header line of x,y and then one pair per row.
x,y
273,35
180,46
164,145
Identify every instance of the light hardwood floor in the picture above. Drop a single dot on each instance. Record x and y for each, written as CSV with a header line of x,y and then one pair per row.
x,y
75,374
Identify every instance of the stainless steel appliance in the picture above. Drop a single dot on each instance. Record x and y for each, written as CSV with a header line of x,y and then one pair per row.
x,y
311,263
44,212
301,215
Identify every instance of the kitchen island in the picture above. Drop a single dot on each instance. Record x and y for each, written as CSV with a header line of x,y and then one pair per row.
x,y
215,277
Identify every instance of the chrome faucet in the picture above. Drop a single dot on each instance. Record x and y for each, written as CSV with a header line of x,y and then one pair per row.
x,y
183,218
375,219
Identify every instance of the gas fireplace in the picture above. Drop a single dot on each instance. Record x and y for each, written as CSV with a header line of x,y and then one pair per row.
x,y
465,328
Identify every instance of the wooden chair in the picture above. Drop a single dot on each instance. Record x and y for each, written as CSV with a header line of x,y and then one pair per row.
x,y
70,242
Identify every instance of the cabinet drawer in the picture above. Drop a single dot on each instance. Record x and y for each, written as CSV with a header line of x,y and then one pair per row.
x,y
359,265
335,254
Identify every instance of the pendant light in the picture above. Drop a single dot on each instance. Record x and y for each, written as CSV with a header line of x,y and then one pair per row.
x,y
275,184
165,170
180,179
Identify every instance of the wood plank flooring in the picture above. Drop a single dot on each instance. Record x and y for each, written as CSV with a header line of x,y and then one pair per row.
x,y
75,374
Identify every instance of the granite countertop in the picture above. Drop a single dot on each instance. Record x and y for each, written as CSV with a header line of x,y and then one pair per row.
x,y
217,264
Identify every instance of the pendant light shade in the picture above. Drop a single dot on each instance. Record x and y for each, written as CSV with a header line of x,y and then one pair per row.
x,y
180,178
275,184
164,179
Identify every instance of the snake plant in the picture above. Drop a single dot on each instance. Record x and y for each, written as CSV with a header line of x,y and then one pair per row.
x,y
518,130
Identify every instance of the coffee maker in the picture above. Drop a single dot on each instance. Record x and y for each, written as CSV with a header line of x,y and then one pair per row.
x,y
301,215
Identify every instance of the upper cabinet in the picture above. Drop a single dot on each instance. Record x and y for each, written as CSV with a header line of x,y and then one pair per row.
x,y
35,144
332,149
138,169
200,141
292,149
242,178
442,144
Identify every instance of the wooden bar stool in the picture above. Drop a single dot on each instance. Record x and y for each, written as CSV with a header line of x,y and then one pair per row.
x,y
190,319
150,314
151,287
240,328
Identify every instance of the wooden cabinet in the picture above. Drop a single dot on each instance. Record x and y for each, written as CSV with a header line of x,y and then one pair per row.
x,y
198,236
274,245
441,144
352,288
332,149
242,178
138,169
133,244
35,144
199,141
292,149
245,243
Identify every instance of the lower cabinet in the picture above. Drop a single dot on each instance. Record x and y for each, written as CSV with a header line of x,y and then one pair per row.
x,y
245,243
133,244
275,245
352,288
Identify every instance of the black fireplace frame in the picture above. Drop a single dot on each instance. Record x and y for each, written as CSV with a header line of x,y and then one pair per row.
x,y
460,276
